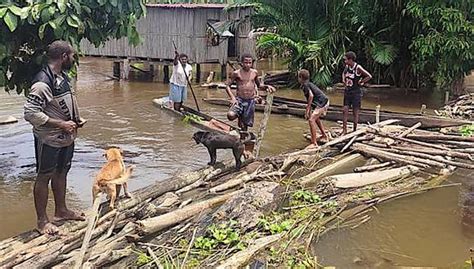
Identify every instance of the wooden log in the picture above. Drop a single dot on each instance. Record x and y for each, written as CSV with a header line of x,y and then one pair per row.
x,y
313,177
244,178
410,130
341,138
263,124
357,180
369,168
411,141
431,157
243,257
442,138
13,250
455,144
378,153
155,224
349,144
450,153
119,241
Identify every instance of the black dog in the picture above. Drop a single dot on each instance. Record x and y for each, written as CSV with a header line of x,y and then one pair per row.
x,y
214,141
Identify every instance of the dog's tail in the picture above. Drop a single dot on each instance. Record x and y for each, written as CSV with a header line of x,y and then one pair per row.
x,y
124,177
248,136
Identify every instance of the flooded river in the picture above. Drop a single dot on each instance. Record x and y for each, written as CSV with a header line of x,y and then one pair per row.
x,y
424,230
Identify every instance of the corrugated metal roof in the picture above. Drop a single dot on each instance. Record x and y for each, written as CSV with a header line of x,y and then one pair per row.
x,y
190,6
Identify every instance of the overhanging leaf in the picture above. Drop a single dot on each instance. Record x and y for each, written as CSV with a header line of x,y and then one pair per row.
x,y
11,20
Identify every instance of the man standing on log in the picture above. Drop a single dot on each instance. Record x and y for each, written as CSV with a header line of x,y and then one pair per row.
x,y
318,102
248,84
353,77
182,71
52,110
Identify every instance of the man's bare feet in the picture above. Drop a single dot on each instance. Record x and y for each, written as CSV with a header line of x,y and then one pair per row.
x,y
312,146
323,139
69,215
47,228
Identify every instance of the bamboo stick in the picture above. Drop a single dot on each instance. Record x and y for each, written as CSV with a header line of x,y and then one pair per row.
x,y
88,235
411,129
263,124
431,157
368,168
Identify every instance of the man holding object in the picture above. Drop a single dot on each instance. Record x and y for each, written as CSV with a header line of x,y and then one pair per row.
x,y
51,108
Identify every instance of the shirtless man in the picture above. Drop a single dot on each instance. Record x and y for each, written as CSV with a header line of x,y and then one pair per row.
x,y
248,84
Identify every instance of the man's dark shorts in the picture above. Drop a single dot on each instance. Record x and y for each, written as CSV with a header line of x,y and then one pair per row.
x,y
50,159
245,110
352,99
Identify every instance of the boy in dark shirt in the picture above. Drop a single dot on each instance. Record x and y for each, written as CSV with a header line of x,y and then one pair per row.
x,y
353,77
317,101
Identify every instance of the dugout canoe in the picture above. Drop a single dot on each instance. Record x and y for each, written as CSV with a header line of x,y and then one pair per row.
x,y
288,106
197,119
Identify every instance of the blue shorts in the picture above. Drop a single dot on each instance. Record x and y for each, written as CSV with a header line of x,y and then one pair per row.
x,y
245,109
178,94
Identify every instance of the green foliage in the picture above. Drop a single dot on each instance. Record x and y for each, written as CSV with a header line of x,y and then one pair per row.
x,y
408,43
306,197
188,118
224,234
142,258
443,45
273,226
467,130
27,27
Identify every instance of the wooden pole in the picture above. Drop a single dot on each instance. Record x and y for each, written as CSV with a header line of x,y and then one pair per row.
x,y
263,125
88,235
377,114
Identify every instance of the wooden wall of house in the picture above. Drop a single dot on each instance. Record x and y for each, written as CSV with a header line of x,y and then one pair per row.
x,y
186,27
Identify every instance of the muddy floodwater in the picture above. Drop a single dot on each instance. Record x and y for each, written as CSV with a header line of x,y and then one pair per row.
x,y
423,230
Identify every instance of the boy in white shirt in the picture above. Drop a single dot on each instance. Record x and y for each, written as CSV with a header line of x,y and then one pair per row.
x,y
179,81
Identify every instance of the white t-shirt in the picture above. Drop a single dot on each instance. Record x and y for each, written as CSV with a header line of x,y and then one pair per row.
x,y
178,77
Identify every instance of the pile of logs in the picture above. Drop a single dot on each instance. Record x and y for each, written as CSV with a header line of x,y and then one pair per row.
x,y
161,223
461,108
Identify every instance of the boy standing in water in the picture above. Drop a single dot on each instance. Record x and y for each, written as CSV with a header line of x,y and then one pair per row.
x,y
353,77
317,101
179,80
248,84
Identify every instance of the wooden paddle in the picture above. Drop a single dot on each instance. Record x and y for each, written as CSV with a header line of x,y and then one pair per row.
x,y
189,83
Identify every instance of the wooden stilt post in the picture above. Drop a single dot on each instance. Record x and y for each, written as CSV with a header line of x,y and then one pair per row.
x,y
151,70
166,74
224,71
125,69
377,114
198,73
446,97
116,69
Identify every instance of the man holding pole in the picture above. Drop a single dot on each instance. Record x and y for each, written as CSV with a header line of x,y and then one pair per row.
x,y
182,72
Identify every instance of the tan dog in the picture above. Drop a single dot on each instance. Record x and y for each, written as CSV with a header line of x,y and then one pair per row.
x,y
112,176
